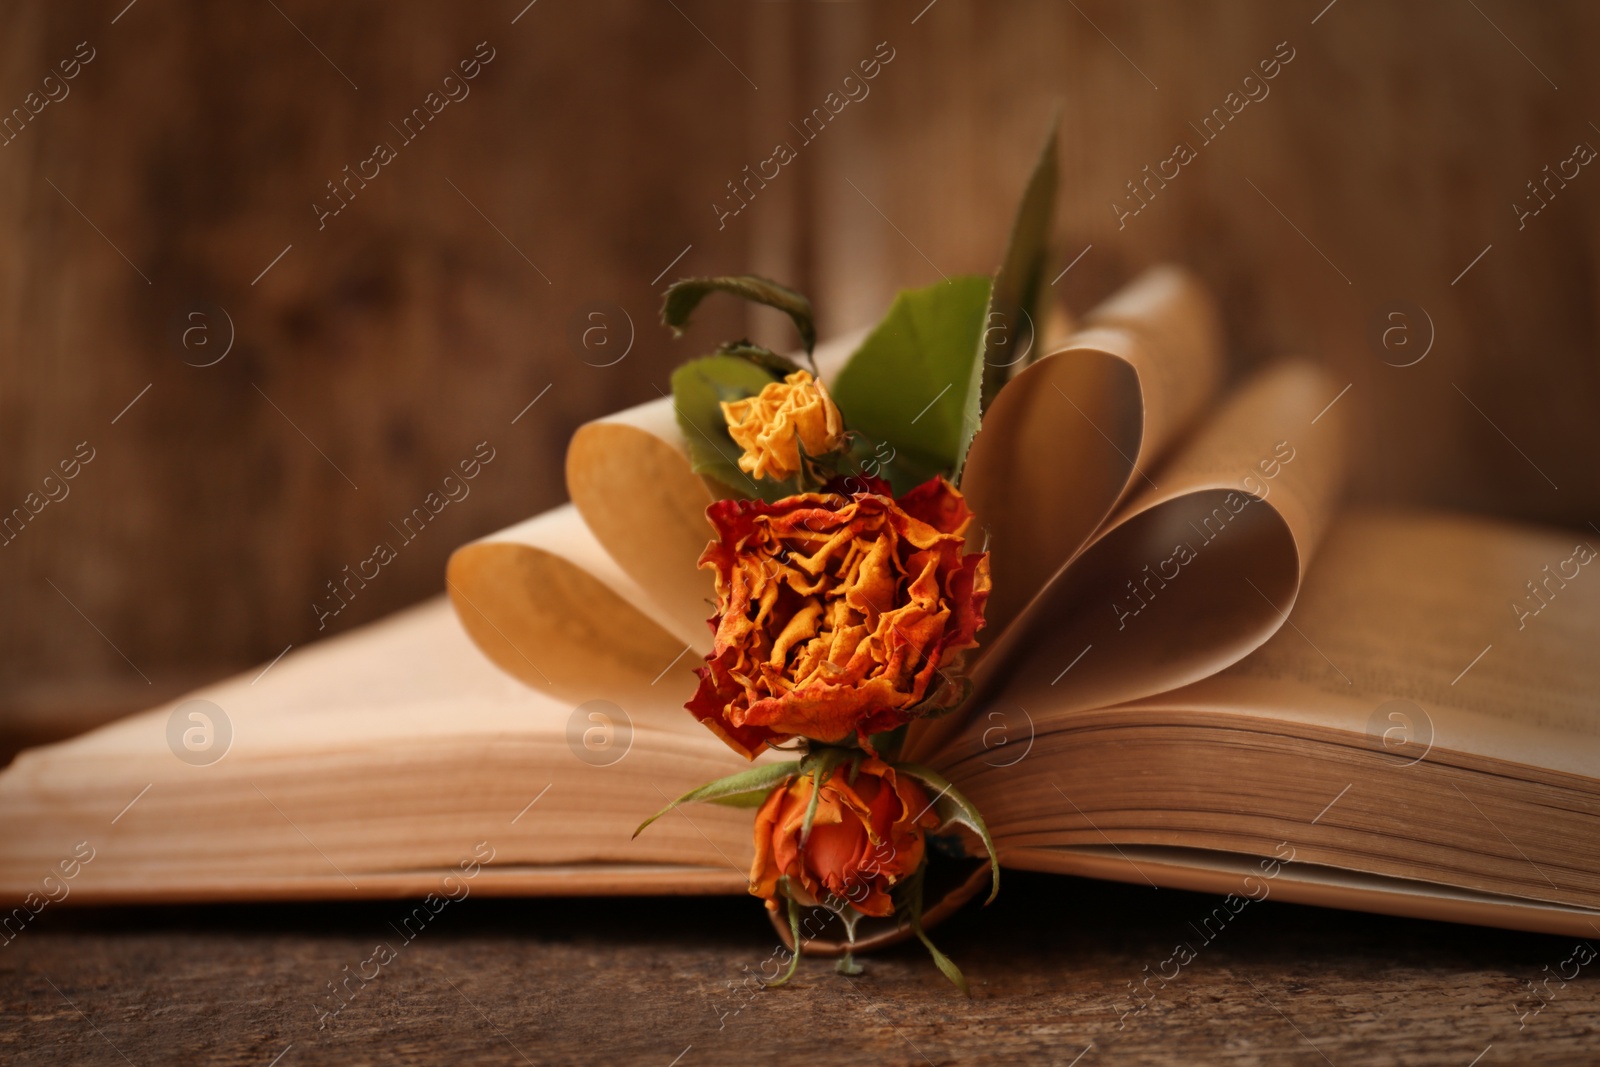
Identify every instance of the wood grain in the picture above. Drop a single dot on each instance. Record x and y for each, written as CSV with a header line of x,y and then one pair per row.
x,y
646,981
371,358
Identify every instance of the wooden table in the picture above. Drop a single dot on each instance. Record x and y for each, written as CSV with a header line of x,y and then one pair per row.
x,y
661,981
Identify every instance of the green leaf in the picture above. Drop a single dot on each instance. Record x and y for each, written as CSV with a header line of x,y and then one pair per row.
x,y
682,297
1021,276
946,965
698,389
755,780
955,808
1011,319
906,386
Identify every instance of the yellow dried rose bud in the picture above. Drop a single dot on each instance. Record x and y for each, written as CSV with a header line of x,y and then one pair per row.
x,y
783,418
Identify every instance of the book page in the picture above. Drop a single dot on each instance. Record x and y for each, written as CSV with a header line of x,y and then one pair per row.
x,y
1179,362
371,764
1436,631
1281,438
1054,455
1200,568
1073,433
629,477
1222,873
547,605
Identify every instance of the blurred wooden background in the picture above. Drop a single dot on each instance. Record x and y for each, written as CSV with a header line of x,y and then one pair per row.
x,y
179,168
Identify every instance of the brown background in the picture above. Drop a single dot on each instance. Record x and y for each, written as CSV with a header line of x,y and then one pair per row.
x,y
413,327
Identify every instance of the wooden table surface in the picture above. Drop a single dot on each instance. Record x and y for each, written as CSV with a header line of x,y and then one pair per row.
x,y
663,981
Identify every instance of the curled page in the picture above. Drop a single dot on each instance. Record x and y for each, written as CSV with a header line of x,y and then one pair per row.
x,y
1071,436
1279,437
547,605
629,477
1180,362
1054,456
1201,567
1068,437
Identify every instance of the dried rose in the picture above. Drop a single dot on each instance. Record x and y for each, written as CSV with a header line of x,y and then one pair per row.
x,y
835,611
867,834
775,424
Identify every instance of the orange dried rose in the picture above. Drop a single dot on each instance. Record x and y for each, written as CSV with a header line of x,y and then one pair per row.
x,y
867,835
835,611
776,423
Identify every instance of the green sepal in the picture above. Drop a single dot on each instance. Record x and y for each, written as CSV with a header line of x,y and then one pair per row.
x,y
765,358
757,780
699,388
682,297
888,742
946,965
864,457
815,471
948,694
820,765
1011,317
740,800
794,940
955,808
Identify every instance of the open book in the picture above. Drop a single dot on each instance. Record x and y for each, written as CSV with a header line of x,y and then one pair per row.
x,y
1196,674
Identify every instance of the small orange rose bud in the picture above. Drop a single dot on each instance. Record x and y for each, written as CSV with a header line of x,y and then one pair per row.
x,y
775,424
866,836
